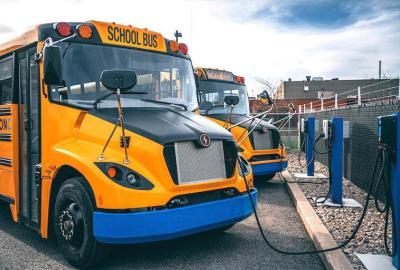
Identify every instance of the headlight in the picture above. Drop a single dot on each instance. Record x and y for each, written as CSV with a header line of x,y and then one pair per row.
x,y
124,176
133,179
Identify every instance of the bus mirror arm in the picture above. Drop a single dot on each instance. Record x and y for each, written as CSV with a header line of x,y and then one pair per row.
x,y
118,81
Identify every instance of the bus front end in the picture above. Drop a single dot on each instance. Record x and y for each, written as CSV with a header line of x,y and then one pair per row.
x,y
159,172
262,147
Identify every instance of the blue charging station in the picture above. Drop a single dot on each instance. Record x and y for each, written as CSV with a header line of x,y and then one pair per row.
x,y
389,135
309,145
396,194
337,161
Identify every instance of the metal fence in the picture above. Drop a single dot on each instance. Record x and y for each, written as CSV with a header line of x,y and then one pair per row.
x,y
361,148
387,91
287,123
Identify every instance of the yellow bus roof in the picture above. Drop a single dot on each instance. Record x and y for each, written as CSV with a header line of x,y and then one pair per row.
x,y
129,36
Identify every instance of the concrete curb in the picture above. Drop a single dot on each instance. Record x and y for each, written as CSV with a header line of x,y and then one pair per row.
x,y
333,260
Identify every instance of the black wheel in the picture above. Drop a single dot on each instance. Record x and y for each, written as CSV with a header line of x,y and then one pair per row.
x,y
73,225
265,177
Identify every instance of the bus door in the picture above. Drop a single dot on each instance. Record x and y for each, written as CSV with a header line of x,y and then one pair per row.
x,y
29,111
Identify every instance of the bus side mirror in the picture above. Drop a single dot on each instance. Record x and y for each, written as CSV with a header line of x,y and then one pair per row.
x,y
265,98
52,66
231,100
197,81
118,79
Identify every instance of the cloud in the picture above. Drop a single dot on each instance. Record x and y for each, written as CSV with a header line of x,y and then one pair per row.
x,y
268,38
4,29
318,14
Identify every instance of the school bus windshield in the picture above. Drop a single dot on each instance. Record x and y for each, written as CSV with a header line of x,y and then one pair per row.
x,y
160,77
212,96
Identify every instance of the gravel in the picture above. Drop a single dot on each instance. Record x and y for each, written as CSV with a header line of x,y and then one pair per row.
x,y
342,221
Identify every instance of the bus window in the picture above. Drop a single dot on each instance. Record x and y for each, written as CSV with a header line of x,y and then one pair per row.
x,y
5,80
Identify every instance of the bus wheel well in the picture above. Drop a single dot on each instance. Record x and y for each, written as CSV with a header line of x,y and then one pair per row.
x,y
64,173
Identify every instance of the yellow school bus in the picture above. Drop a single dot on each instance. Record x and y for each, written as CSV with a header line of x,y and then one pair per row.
x,y
262,147
101,142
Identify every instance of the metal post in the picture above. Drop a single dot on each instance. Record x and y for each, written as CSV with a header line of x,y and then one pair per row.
x,y
322,104
336,104
290,133
337,161
304,108
396,196
399,88
298,132
311,107
309,145
300,106
359,95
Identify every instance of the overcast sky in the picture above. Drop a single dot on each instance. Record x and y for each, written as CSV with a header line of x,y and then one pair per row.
x,y
270,39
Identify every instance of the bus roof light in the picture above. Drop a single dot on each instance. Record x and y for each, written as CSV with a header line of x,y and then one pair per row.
x,y
183,48
63,29
85,31
173,45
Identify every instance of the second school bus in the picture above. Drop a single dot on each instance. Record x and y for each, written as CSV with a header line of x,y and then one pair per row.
x,y
170,172
263,147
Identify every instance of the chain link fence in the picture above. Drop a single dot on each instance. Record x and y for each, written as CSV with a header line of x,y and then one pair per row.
x,y
361,149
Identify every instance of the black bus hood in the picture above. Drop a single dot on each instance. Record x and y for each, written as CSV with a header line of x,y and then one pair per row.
x,y
164,125
237,118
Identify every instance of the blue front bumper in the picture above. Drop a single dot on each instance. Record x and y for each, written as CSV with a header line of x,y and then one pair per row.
x,y
269,168
150,226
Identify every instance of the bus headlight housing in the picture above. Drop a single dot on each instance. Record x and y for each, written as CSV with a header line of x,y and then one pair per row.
x,y
124,176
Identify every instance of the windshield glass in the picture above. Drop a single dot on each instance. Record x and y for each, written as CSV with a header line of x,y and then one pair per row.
x,y
160,77
212,96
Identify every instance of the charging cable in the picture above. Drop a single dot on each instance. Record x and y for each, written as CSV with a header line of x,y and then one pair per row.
x,y
343,244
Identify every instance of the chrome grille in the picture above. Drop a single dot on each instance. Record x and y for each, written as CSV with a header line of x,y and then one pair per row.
x,y
263,141
195,164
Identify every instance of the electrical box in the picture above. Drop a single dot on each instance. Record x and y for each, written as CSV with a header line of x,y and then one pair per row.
x,y
346,129
387,133
303,125
325,129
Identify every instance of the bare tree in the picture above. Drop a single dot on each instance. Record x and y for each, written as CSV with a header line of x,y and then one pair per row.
x,y
390,75
269,85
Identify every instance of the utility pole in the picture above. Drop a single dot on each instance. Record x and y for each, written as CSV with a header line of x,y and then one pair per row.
x,y
380,69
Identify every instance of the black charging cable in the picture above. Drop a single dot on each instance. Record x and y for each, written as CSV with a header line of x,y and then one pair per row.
x,y
383,186
343,244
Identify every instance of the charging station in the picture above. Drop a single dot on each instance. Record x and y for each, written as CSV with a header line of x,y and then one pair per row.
x,y
389,136
308,126
336,131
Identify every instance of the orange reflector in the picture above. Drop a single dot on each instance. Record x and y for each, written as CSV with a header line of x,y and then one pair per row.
x,y
112,172
85,31
237,79
173,45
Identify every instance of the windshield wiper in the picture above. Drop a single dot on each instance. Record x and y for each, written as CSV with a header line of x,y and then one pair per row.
x,y
166,103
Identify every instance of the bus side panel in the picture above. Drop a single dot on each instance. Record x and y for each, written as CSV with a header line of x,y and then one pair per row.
x,y
9,141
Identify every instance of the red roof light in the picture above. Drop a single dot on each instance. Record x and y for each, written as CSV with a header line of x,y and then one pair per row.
x,y
63,29
183,48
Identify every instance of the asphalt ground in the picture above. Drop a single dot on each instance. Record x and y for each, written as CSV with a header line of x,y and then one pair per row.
x,y
241,247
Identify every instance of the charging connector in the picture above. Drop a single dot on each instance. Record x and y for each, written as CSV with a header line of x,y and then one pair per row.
x,y
326,124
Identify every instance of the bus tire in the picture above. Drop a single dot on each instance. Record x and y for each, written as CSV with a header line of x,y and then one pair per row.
x,y
73,225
